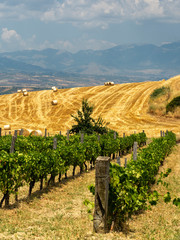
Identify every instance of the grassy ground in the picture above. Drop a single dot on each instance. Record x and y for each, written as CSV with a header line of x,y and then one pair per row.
x,y
58,212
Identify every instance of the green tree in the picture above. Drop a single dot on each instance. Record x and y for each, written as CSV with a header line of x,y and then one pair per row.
x,y
85,123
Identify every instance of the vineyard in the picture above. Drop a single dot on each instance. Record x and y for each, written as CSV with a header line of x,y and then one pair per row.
x,y
36,158
47,161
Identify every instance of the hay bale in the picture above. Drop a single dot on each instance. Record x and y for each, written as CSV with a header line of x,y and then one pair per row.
x,y
26,132
24,90
109,83
7,127
36,133
19,91
54,102
54,89
25,93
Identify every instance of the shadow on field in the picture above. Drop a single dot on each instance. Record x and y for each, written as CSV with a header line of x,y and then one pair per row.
x,y
47,188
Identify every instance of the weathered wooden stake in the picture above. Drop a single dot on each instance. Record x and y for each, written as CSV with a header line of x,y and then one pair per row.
x,y
12,144
0,131
123,135
45,134
100,223
98,138
68,135
15,133
54,143
135,151
161,134
59,132
119,161
114,135
125,162
21,131
82,137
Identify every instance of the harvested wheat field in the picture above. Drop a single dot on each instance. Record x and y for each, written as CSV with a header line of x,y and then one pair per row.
x,y
125,106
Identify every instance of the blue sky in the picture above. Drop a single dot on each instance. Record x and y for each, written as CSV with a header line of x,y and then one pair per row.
x,y
75,25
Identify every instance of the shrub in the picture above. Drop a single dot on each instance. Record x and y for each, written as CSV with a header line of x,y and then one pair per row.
x,y
159,91
173,104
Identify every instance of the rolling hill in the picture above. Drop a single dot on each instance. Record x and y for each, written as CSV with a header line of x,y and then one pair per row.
x,y
125,106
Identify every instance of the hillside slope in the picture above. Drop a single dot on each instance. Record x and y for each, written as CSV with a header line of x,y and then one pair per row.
x,y
125,106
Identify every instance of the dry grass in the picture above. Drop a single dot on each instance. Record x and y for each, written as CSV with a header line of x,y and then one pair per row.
x,y
175,114
125,106
158,103
58,212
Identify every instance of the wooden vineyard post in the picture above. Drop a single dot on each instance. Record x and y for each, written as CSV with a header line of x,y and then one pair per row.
x,y
123,135
45,134
161,134
68,135
15,133
52,178
21,131
118,161
0,131
82,137
68,140
144,143
100,221
98,137
16,189
54,143
135,151
12,144
125,163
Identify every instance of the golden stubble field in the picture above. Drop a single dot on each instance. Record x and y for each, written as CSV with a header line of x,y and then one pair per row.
x,y
125,106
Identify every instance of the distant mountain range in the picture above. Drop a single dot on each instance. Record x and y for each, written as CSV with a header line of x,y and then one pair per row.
x,y
139,61
101,62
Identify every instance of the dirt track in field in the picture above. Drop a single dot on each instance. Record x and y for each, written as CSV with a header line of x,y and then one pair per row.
x,y
125,106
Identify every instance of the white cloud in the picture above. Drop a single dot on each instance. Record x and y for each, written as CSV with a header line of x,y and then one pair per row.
x,y
9,35
81,11
83,14
11,40
111,11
